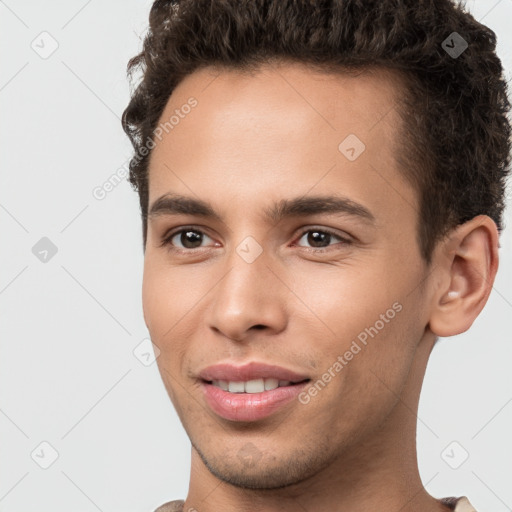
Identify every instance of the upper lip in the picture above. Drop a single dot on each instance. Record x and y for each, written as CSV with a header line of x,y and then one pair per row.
x,y
249,371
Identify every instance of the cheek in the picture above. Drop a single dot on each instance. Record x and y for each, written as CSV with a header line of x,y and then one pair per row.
x,y
364,336
344,300
366,317
165,295
172,300
152,295
162,308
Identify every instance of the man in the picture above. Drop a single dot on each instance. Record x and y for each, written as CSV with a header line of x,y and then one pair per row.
x,y
321,187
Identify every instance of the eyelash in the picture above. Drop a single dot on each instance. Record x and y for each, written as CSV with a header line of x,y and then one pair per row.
x,y
168,237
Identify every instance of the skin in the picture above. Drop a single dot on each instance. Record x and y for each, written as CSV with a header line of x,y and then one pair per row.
x,y
253,140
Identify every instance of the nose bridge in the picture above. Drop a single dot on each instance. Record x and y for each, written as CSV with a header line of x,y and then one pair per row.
x,y
248,294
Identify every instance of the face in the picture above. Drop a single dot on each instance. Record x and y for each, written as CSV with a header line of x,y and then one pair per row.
x,y
333,295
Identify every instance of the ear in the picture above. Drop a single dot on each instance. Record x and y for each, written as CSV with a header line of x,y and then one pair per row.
x,y
467,263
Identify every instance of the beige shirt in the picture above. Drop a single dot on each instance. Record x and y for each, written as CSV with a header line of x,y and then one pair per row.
x,y
460,504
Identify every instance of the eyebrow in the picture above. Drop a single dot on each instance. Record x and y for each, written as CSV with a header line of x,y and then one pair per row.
x,y
175,204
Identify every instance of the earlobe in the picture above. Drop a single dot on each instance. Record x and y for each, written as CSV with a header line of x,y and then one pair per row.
x,y
468,263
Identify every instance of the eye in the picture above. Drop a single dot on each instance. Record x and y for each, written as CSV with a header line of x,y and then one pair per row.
x,y
185,239
321,238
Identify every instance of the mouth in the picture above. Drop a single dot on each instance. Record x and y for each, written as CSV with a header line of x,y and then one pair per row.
x,y
253,386
249,392
249,401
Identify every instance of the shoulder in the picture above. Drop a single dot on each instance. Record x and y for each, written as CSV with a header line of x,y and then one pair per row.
x,y
463,505
171,506
460,504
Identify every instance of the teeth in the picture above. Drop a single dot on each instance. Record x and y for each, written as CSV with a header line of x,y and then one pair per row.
x,y
271,384
223,384
250,386
255,386
236,387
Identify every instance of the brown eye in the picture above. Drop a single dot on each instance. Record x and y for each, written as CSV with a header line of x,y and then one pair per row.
x,y
190,239
185,239
318,238
322,238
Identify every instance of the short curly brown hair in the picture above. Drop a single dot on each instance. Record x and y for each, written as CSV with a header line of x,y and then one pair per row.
x,y
455,148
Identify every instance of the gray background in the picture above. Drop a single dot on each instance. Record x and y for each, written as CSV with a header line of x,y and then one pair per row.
x,y
69,326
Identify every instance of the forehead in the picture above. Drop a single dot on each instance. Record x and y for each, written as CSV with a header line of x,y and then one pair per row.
x,y
280,128
284,94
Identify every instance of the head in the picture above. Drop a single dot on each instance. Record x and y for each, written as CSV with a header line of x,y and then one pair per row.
x,y
352,120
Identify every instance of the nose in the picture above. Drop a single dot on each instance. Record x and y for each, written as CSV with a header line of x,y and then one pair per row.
x,y
250,297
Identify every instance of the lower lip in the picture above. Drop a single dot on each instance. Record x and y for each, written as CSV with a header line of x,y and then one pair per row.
x,y
249,406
